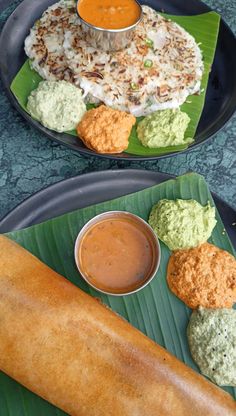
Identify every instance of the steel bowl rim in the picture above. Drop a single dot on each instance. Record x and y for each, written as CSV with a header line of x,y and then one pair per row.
x,y
101,29
94,220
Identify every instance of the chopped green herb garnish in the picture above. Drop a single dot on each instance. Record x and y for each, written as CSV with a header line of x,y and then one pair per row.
x,y
148,63
134,86
149,42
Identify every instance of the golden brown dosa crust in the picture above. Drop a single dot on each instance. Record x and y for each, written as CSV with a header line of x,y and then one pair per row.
x,y
69,349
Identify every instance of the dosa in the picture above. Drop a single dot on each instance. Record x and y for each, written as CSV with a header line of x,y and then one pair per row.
x,y
74,352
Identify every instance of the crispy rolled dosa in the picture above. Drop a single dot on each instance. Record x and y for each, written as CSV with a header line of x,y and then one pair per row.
x,y
74,352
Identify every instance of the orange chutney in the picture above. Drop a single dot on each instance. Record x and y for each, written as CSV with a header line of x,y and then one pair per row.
x,y
116,255
109,14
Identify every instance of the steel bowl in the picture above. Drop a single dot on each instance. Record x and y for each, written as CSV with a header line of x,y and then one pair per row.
x,y
149,231
109,40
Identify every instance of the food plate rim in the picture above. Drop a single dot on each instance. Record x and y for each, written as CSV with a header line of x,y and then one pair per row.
x,y
15,215
83,150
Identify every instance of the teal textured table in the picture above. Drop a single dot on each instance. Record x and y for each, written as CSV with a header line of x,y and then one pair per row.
x,y
30,162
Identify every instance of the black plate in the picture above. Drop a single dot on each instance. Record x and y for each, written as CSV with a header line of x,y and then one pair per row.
x,y
92,188
221,93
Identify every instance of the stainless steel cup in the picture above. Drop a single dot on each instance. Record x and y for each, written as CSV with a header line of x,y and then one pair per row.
x,y
109,39
148,230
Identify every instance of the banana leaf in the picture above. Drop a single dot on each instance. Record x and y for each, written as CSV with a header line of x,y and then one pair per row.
x,y
154,310
204,28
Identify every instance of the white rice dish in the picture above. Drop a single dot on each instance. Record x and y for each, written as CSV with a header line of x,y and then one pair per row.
x,y
161,67
44,45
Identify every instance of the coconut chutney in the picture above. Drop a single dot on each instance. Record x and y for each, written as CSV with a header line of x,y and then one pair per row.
x,y
182,223
212,341
58,105
164,128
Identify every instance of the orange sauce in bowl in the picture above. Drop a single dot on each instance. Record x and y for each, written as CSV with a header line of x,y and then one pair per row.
x,y
109,14
117,255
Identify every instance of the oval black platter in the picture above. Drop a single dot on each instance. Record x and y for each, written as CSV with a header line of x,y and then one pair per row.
x,y
221,93
92,188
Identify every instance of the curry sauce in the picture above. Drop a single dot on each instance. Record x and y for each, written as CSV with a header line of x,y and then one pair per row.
x,y
116,255
109,14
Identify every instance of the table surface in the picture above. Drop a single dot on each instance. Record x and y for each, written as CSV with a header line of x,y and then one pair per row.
x,y
30,162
